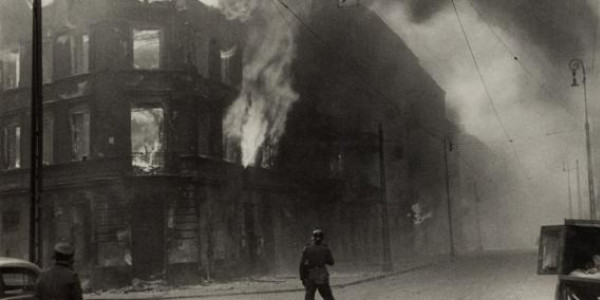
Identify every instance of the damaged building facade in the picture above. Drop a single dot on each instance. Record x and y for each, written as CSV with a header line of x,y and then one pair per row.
x,y
137,174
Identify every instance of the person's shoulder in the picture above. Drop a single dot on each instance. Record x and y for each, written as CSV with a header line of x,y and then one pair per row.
x,y
322,246
60,269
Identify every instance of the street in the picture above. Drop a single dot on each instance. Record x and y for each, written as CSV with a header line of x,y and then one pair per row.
x,y
494,276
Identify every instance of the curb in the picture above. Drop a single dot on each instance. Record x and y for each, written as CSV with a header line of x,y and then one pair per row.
x,y
288,290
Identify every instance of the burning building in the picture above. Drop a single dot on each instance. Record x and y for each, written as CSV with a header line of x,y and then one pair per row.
x,y
144,175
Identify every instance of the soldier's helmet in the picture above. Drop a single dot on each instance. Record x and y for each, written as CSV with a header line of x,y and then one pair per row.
x,y
64,252
318,235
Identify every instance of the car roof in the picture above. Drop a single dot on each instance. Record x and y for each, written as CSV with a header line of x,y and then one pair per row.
x,y
10,262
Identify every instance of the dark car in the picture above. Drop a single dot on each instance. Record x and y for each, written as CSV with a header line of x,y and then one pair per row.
x,y
17,278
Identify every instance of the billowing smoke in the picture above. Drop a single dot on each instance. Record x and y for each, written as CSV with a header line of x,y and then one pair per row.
x,y
259,113
558,27
522,49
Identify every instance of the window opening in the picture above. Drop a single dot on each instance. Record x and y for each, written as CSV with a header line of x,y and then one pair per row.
x,y
80,133
11,68
12,145
147,138
146,49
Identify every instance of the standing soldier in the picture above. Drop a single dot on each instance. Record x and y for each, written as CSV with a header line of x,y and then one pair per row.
x,y
60,282
313,271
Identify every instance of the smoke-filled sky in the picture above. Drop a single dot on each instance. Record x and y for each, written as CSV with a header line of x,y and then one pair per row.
x,y
522,49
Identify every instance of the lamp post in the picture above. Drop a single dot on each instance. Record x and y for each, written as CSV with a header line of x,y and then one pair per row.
x,y
574,65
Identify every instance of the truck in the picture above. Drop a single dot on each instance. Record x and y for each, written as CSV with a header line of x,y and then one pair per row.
x,y
568,251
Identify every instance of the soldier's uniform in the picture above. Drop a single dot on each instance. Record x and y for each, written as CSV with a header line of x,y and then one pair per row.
x,y
313,271
59,282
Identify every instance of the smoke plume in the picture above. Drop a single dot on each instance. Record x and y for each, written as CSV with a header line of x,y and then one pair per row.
x,y
522,49
259,113
558,27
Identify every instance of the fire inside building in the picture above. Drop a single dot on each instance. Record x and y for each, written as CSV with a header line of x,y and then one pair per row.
x,y
140,177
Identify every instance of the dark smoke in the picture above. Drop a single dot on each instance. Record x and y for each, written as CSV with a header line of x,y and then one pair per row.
x,y
522,63
560,28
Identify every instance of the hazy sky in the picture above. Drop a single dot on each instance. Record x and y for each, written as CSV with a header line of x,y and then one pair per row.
x,y
532,96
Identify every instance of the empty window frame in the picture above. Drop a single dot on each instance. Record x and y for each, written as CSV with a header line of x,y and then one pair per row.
x,y
147,49
47,61
232,151
268,152
11,144
79,118
70,54
147,137
80,48
48,138
227,65
10,68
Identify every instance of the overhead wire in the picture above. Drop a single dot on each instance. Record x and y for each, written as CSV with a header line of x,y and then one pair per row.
x,y
431,132
515,57
540,84
358,63
525,69
526,140
483,82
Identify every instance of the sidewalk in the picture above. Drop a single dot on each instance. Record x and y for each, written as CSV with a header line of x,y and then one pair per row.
x,y
264,285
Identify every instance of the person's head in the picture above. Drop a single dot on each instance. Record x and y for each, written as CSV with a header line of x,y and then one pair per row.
x,y
64,252
317,236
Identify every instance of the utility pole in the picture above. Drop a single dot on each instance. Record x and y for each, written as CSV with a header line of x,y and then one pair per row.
x,y
37,121
579,200
568,170
575,64
477,216
385,230
445,147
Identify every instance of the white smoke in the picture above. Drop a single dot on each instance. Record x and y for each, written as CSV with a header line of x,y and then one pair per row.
x,y
260,111
530,114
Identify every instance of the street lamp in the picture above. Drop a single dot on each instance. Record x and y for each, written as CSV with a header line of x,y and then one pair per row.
x,y
574,65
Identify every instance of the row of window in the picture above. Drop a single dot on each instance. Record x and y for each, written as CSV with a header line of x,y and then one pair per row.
x,y
80,138
72,50
69,54
147,139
